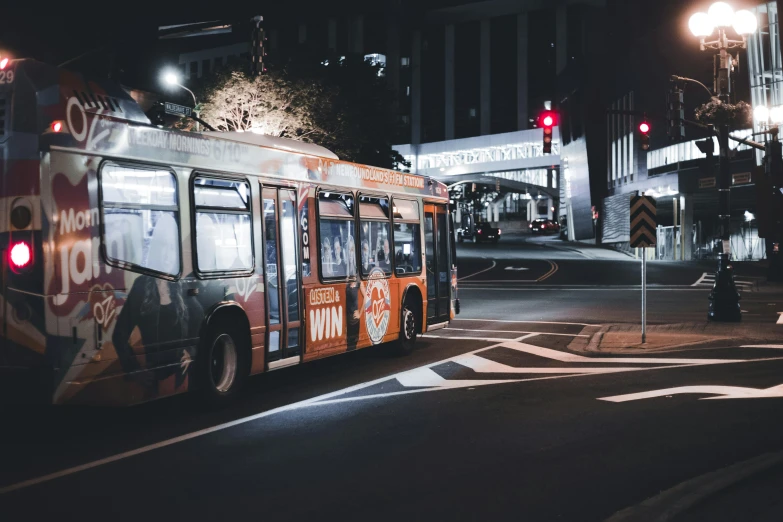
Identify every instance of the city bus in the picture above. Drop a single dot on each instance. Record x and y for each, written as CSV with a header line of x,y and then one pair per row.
x,y
140,262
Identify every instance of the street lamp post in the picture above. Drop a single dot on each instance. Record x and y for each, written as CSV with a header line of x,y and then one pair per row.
x,y
724,298
172,79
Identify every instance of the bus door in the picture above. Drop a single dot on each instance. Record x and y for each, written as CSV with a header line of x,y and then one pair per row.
x,y
281,262
436,238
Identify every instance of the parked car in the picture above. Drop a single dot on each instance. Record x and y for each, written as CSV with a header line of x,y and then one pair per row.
x,y
544,226
486,232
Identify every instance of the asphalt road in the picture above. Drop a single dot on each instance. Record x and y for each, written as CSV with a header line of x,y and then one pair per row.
x,y
493,418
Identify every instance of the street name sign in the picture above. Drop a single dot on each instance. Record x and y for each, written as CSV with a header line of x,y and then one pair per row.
x,y
643,221
178,110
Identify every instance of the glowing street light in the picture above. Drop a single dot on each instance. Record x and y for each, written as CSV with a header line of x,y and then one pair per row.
x,y
700,25
172,79
745,22
721,14
724,298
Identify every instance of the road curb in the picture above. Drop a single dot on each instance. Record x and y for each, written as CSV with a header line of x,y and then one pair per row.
x,y
679,499
703,336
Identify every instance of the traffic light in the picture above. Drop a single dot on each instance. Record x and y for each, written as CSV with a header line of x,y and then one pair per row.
x,y
157,114
676,113
547,120
644,135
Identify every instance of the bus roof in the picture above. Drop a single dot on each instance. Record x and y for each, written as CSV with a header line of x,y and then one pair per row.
x,y
274,142
101,118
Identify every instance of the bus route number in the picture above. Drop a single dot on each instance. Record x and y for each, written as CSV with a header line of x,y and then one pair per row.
x,y
6,77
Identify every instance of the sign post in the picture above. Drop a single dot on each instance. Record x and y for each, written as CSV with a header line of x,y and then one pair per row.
x,y
643,225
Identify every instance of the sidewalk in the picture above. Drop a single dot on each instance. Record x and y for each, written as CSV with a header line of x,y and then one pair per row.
x,y
627,338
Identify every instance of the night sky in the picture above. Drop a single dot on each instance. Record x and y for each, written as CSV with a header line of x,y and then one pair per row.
x,y
657,30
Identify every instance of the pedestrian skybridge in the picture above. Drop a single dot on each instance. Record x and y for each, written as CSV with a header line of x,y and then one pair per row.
x,y
513,161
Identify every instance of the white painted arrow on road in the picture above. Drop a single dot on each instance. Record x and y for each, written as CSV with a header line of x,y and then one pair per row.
x,y
516,268
723,392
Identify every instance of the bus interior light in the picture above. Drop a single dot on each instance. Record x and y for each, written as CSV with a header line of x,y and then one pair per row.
x,y
20,255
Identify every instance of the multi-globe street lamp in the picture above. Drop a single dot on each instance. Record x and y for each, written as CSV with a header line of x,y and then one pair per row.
x,y
724,298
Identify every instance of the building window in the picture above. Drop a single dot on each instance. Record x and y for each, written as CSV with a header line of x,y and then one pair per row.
x,y
141,218
223,225
405,61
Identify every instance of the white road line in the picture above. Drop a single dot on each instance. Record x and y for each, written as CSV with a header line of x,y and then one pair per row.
x,y
463,338
723,392
520,321
583,288
425,377
314,401
574,358
777,346
512,331
780,318
481,365
549,377
337,397
494,264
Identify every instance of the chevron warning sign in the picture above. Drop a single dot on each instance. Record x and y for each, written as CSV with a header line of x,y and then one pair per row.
x,y
643,221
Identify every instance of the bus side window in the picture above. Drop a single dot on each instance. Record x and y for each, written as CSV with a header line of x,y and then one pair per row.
x,y
335,227
375,235
141,217
223,225
407,237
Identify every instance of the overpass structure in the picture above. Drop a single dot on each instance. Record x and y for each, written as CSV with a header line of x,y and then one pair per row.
x,y
513,163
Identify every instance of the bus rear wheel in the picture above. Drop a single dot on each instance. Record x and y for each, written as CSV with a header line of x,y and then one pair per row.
x,y
409,328
222,364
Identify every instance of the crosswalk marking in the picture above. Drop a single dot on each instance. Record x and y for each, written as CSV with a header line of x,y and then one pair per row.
x,y
707,279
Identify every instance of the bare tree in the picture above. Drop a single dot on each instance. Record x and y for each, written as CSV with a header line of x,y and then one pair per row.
x,y
268,104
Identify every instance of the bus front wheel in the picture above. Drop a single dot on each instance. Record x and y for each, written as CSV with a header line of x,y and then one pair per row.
x,y
222,365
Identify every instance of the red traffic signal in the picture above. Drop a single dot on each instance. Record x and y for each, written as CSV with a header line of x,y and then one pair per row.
x,y
644,135
547,120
